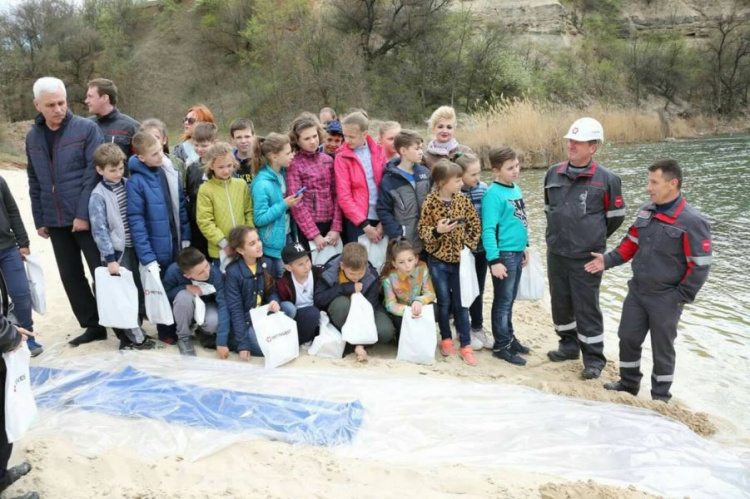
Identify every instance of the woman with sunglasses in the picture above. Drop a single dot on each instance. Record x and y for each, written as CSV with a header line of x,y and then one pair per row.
x,y
444,145
196,114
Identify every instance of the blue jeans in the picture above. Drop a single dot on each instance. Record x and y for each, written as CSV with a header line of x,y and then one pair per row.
x,y
275,267
18,286
447,282
475,311
505,291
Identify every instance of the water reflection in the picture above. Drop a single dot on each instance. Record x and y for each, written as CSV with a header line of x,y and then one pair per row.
x,y
713,366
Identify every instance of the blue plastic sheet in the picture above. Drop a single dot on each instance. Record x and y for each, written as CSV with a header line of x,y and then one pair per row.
x,y
133,393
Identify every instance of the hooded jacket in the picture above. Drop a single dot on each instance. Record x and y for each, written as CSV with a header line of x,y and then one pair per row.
x,y
352,192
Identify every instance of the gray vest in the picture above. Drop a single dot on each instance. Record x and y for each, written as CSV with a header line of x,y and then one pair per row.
x,y
114,221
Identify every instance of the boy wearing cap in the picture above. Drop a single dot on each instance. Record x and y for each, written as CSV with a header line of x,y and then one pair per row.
x,y
296,289
334,138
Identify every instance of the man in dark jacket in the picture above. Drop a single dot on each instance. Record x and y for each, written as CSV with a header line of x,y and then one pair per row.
x,y
60,151
116,127
670,247
10,339
584,206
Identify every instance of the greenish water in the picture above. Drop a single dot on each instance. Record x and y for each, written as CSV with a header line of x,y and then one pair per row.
x,y
713,346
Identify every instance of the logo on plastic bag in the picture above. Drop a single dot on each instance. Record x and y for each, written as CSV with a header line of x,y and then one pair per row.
x,y
278,335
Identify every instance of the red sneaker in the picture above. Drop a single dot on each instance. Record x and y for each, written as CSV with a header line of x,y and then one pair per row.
x,y
467,355
446,348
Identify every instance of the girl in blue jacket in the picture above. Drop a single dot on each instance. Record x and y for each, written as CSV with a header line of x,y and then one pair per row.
x,y
271,157
247,285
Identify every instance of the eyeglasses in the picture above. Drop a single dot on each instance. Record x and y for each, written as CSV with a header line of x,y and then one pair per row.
x,y
189,121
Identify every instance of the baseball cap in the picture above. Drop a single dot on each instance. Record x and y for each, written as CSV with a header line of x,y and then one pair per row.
x,y
334,128
292,252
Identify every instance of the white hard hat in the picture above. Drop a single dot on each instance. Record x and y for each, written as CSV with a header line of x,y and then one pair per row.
x,y
585,129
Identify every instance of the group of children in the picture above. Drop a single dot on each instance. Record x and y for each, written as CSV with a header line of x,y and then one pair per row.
x,y
236,227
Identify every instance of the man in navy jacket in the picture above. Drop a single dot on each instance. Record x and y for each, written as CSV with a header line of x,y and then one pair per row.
x,y
60,151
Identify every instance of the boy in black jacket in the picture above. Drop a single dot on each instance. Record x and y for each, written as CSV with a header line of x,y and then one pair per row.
x,y
296,290
344,275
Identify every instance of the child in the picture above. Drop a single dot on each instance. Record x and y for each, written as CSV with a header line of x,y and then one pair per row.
x,y
243,132
386,135
317,216
406,282
271,158
296,290
474,190
108,212
505,235
406,184
359,167
204,136
344,275
334,138
448,223
14,244
186,279
157,214
158,129
248,285
223,201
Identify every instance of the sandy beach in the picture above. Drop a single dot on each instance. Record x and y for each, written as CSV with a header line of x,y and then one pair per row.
x,y
275,469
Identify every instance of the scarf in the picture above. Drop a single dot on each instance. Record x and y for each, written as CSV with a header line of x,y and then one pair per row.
x,y
442,148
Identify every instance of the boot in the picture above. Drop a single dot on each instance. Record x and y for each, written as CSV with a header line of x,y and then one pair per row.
x,y
560,355
617,386
97,333
591,372
186,347
14,474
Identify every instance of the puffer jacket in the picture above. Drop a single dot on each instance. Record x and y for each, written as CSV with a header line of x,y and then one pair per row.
x,y
149,213
241,289
222,206
328,287
270,211
315,172
60,186
352,192
400,203
119,128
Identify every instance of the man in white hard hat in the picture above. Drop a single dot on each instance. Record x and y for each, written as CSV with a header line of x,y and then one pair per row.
x,y
584,206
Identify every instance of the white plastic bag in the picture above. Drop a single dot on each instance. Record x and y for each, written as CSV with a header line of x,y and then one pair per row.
x,y
322,256
199,315
328,343
35,276
360,328
468,274
531,285
376,252
205,287
418,338
277,336
116,298
158,309
20,408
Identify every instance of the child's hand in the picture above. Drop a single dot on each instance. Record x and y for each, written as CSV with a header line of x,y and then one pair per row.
x,y
320,242
222,352
444,226
292,200
194,289
24,253
416,309
244,355
498,270
525,260
229,252
332,237
372,234
357,287
114,268
273,306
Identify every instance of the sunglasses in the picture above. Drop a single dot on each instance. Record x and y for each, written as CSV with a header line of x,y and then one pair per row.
x,y
189,121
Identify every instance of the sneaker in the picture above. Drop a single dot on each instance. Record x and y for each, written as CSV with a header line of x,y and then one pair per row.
x,y
487,340
476,343
467,355
446,347
508,355
34,347
591,372
186,347
618,386
145,345
518,347
560,356
91,334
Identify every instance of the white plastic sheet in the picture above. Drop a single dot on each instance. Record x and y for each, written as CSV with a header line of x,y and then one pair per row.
x,y
395,419
531,284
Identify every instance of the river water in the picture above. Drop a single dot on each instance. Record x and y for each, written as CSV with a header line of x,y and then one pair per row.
x,y
713,344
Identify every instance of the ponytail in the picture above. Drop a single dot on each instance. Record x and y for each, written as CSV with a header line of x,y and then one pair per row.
x,y
273,143
395,246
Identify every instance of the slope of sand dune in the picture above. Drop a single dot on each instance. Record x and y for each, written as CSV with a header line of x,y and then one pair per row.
x,y
274,469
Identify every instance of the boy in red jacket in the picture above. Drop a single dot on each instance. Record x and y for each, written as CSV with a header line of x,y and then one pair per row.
x,y
296,289
358,168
